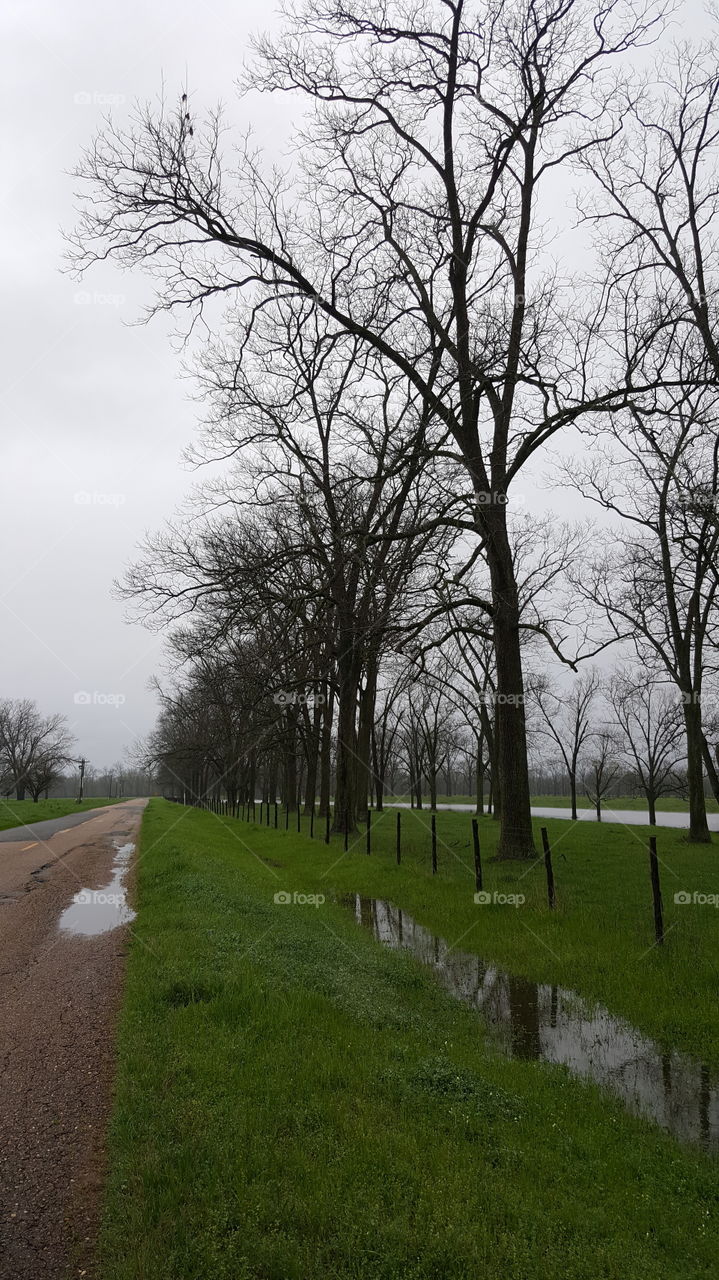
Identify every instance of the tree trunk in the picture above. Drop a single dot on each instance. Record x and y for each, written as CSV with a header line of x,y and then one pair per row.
x,y
368,698
272,787
290,771
652,806
326,751
573,792
345,814
496,784
252,777
378,770
698,825
312,739
480,776
710,767
516,839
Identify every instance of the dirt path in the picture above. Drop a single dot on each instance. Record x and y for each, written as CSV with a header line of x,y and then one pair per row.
x,y
59,997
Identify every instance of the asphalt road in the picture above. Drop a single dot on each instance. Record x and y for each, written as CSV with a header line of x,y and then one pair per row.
x,y
50,826
625,817
61,971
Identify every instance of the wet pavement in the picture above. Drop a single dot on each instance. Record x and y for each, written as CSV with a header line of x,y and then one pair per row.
x,y
63,940
94,911
50,826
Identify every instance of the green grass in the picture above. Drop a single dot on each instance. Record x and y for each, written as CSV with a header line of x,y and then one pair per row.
x,y
13,813
295,1101
598,942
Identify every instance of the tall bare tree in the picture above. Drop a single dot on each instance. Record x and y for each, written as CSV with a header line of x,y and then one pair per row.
x,y
656,578
413,223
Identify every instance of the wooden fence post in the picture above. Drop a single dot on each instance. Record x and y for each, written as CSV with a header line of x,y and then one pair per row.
x,y
548,868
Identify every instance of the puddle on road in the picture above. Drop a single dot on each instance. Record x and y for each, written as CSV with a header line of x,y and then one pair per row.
x,y
95,911
536,1021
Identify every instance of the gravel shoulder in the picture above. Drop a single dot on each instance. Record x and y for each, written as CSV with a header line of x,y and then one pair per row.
x,y
59,999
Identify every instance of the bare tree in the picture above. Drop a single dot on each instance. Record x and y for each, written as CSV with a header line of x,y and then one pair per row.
x,y
413,225
650,721
658,218
566,720
386,728
33,747
603,769
657,585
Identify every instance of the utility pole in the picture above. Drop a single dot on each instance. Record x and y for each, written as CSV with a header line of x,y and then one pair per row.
x,y
82,762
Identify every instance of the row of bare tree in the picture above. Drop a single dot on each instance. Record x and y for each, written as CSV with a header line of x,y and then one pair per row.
x,y
399,347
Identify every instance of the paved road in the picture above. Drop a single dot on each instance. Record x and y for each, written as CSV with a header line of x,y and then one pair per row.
x,y
628,817
49,826
59,997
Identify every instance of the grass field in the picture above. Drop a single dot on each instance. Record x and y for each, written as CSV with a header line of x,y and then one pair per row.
x,y
296,1101
14,813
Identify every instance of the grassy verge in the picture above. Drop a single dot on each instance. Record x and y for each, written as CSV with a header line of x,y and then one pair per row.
x,y
14,813
295,1101
598,942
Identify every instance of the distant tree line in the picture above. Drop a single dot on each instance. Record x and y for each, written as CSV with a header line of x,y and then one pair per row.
x,y
38,759
34,749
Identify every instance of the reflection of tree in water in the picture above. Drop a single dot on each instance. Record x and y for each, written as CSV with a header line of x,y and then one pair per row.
x,y
667,1074
705,1095
524,1017
668,1087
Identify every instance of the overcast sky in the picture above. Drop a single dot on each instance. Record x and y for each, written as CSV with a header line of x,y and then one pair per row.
x,y
96,415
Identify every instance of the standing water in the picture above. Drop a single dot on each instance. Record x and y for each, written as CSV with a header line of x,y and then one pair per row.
x,y
94,911
534,1020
